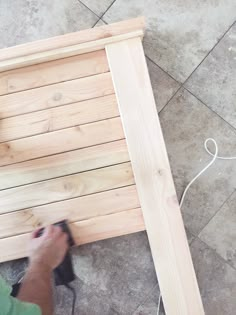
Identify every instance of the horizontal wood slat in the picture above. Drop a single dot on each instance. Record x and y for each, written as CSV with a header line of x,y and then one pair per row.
x,y
58,118
86,231
77,209
63,164
53,72
66,187
61,141
75,38
55,95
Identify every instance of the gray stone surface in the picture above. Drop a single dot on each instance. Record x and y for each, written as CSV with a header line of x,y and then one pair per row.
x,y
98,7
214,82
186,123
13,271
163,85
217,280
220,233
24,21
99,23
149,307
115,276
179,33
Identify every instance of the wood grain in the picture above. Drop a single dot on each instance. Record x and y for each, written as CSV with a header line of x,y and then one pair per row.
x,y
66,187
55,95
71,39
64,52
86,231
153,178
63,164
77,209
53,72
61,141
58,118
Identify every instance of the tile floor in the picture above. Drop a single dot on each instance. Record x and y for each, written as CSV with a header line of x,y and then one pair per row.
x,y
191,55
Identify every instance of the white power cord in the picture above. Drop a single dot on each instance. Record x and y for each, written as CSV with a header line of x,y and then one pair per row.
x,y
215,156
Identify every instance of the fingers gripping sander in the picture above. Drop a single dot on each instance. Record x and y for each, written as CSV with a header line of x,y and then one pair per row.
x,y
64,273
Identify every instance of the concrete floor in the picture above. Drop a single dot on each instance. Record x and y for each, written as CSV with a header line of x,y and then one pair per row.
x,y
191,54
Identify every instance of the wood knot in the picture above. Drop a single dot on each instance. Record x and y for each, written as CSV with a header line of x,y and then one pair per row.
x,y
57,96
160,172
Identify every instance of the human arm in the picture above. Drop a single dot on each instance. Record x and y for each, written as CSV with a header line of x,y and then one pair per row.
x,y
46,253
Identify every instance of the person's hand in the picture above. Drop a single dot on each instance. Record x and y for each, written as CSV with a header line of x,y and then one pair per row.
x,y
49,249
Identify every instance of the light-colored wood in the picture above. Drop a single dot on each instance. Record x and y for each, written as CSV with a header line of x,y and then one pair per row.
x,y
153,178
77,209
71,39
53,72
58,118
66,187
61,141
64,52
86,231
63,164
55,95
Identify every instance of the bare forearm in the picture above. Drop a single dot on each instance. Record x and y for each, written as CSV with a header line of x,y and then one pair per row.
x,y
37,288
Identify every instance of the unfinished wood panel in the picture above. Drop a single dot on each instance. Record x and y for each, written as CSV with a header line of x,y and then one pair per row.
x,y
61,141
86,231
53,72
64,164
66,187
64,52
77,209
55,95
58,118
71,39
153,178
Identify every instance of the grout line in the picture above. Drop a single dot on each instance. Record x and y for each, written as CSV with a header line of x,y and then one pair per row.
x,y
210,51
226,200
104,21
218,255
89,10
156,286
234,129
162,69
107,9
182,84
170,99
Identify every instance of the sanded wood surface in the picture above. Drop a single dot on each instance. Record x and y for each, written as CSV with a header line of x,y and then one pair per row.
x,y
62,164
98,204
56,95
94,34
65,52
53,72
153,178
63,153
66,187
59,118
85,231
61,141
